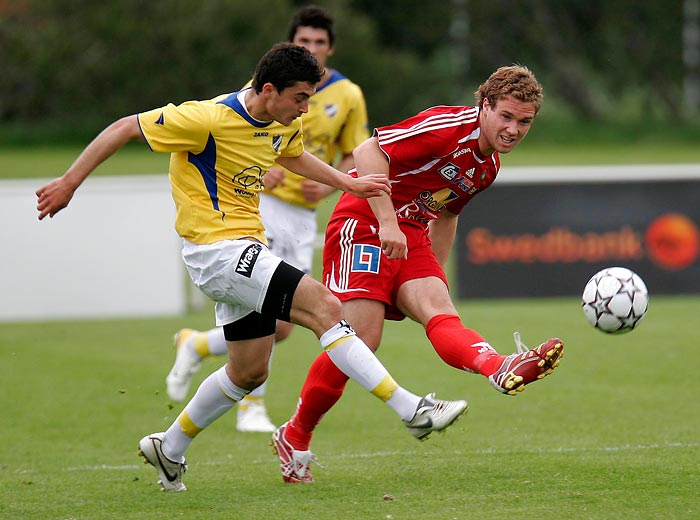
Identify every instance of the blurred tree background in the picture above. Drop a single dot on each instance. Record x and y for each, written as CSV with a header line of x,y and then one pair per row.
x,y
69,67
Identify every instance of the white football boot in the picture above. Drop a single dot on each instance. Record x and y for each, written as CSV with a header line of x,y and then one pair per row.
x,y
187,362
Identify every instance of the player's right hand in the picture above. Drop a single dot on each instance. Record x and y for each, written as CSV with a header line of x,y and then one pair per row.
x,y
53,197
393,242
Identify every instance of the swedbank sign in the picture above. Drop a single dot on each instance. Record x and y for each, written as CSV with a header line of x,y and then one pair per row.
x,y
548,235
559,244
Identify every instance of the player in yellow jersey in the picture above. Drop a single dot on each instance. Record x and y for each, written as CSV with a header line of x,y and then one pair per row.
x,y
334,125
219,154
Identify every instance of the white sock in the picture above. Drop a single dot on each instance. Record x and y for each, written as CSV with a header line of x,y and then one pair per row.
x,y
215,396
404,403
355,359
217,342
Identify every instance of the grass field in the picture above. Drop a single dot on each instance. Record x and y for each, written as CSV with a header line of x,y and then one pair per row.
x,y
613,433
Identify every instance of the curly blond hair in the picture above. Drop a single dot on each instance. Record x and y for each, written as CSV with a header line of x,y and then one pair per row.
x,y
516,81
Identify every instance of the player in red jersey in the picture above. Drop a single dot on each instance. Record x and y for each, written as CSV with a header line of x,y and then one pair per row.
x,y
384,257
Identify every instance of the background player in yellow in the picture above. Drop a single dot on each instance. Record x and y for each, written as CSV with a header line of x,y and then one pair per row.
x,y
334,125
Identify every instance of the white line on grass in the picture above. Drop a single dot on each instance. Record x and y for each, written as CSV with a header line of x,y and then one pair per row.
x,y
375,454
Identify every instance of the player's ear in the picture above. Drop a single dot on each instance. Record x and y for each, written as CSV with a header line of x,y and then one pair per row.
x,y
331,50
268,89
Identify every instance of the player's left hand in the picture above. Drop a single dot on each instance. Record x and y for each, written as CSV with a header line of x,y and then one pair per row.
x,y
273,177
53,197
368,186
315,191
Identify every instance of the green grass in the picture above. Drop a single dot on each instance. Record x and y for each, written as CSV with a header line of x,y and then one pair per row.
x,y
51,161
613,433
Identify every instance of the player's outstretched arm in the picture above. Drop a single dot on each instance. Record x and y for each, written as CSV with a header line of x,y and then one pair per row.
x,y
315,191
311,167
54,196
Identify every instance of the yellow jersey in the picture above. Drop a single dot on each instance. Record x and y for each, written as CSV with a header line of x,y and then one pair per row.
x,y
219,154
336,120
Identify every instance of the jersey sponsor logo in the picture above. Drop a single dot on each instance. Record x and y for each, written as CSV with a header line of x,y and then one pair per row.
x,y
365,258
331,110
251,177
276,142
436,201
247,260
449,171
243,193
411,211
261,134
461,152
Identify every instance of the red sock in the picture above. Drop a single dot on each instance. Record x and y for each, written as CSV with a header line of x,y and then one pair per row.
x,y
323,387
460,347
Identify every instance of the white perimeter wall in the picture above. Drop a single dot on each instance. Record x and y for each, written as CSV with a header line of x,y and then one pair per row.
x,y
112,253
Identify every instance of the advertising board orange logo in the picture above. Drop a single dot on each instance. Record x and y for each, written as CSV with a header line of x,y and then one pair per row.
x,y
673,241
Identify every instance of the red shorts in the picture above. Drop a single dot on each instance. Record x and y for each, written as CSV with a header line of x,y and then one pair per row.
x,y
354,266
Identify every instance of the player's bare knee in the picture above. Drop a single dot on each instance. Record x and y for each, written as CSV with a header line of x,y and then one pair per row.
x,y
315,307
248,378
328,308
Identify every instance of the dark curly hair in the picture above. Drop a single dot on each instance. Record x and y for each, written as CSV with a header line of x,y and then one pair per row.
x,y
284,65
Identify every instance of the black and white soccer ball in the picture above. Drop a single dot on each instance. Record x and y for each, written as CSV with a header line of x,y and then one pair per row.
x,y
614,300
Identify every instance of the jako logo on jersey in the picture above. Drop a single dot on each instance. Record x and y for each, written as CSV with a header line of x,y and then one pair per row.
x,y
365,258
276,142
330,110
261,134
247,260
449,171
160,120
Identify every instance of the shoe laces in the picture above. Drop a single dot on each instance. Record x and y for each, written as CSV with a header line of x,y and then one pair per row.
x,y
311,459
299,466
522,348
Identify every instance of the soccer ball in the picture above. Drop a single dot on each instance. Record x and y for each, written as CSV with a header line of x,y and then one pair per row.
x,y
614,300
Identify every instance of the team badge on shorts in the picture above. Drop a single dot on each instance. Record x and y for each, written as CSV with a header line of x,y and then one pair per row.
x,y
365,258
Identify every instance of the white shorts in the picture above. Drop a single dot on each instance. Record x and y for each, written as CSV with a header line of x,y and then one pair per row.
x,y
290,230
233,273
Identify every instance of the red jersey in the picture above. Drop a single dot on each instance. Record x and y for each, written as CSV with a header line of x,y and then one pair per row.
x,y
434,164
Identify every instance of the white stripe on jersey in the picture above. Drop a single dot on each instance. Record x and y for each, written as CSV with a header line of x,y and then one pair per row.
x,y
469,113
421,169
435,122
